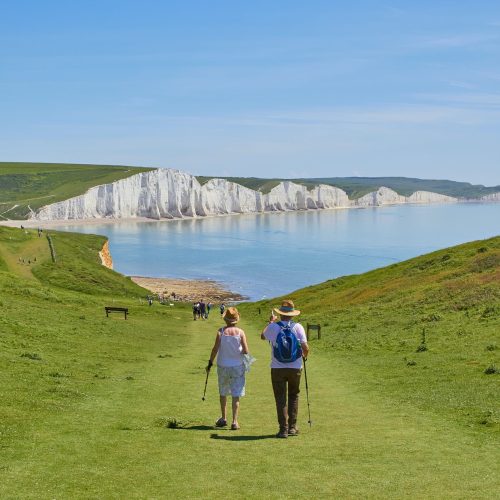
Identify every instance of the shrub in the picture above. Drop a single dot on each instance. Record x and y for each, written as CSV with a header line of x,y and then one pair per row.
x,y
489,312
169,423
491,370
431,317
34,356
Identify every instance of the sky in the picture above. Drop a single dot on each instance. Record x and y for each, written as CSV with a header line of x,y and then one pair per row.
x,y
263,88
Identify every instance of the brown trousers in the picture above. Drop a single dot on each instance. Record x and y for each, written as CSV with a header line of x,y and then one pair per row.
x,y
281,377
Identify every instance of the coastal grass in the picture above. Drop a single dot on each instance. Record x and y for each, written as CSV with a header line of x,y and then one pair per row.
x,y
29,186
96,407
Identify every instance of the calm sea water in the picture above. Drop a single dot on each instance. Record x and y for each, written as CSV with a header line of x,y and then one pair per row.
x,y
268,255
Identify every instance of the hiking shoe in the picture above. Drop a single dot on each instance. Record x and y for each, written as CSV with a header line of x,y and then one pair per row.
x,y
282,434
235,427
221,423
293,431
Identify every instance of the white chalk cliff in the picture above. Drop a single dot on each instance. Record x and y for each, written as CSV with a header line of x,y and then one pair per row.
x,y
494,197
169,194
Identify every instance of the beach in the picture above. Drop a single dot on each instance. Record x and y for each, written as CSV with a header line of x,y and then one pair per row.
x,y
188,290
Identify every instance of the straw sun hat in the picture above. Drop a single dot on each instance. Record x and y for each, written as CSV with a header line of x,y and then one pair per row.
x,y
287,308
231,315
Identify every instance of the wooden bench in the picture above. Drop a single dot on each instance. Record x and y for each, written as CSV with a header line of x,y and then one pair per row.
x,y
116,309
313,328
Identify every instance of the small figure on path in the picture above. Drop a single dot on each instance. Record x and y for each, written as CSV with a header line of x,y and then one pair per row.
x,y
209,307
203,309
289,344
230,348
150,300
222,309
195,310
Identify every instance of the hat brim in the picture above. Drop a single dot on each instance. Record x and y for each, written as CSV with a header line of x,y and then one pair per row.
x,y
295,312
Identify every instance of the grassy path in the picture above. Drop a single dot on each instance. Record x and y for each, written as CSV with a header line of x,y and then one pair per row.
x,y
114,442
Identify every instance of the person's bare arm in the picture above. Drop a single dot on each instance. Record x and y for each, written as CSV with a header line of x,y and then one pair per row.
x,y
215,350
272,319
244,343
305,349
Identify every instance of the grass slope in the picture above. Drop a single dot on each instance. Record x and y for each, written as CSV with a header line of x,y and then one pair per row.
x,y
32,185
356,187
86,399
425,329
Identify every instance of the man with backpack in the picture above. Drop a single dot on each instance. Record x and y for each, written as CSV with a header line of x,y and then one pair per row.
x,y
289,344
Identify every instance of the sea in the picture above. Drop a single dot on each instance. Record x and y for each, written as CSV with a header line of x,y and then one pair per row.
x,y
268,255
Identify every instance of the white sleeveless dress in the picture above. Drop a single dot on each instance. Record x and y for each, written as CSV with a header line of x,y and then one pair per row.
x,y
230,366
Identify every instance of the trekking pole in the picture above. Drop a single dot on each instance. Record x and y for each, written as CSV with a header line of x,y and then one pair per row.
x,y
206,381
307,393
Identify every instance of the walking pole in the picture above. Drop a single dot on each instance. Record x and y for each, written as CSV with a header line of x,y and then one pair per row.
x,y
206,381
307,393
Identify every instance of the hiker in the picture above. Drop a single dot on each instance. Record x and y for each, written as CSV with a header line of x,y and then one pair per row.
x,y
230,347
222,309
289,344
209,307
195,310
203,309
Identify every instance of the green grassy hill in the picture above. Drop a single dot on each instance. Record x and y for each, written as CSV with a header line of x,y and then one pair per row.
x,y
32,185
426,330
90,404
356,187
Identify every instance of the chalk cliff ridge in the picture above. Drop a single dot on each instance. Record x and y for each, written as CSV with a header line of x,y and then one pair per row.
x,y
172,194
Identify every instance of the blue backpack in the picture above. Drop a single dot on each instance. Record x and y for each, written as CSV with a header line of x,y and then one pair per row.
x,y
287,347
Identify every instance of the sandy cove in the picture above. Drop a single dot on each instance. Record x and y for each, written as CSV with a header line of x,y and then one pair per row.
x,y
188,290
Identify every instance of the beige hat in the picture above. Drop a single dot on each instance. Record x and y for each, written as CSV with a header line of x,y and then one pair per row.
x,y
287,309
231,315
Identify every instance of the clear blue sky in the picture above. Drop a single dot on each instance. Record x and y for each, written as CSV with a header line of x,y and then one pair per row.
x,y
261,88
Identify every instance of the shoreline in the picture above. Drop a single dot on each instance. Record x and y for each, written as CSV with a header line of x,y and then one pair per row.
x,y
54,224
187,290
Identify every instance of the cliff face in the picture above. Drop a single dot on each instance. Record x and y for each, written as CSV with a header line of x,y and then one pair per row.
x,y
495,197
169,194
105,255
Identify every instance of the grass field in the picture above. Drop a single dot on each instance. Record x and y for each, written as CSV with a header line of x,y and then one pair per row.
x,y
86,400
25,186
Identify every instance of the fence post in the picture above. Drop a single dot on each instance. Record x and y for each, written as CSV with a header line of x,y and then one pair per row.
x,y
52,249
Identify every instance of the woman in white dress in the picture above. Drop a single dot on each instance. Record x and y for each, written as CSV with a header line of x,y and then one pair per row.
x,y
230,347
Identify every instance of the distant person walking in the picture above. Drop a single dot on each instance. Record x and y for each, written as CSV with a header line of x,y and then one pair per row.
x,y
196,311
289,344
209,308
222,308
203,309
230,347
